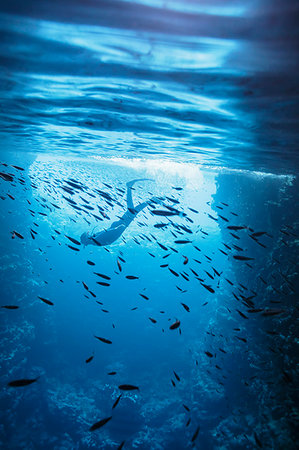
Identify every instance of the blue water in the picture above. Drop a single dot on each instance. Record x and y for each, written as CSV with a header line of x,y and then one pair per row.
x,y
201,98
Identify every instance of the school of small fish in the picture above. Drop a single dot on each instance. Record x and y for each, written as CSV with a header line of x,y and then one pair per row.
x,y
195,264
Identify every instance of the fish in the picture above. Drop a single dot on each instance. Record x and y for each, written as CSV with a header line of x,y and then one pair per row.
x,y
18,235
144,296
119,265
185,260
272,312
176,375
116,401
173,272
74,241
6,176
73,248
128,387
152,320
242,258
241,314
195,434
235,227
106,341
103,283
223,218
85,286
160,212
111,373
186,408
22,382
132,277
209,288
258,442
188,422
209,354
175,325
99,424
90,263
186,307
102,275
89,359
183,241
258,233
162,246
121,445
48,302
161,225
10,306
17,167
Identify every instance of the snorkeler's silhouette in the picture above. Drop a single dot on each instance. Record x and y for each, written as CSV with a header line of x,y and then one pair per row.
x,y
107,237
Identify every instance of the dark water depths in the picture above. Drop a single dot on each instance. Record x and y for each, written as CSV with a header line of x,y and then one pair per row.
x,y
200,97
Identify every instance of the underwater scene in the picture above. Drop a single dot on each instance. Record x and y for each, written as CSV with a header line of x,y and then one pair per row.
x,y
149,224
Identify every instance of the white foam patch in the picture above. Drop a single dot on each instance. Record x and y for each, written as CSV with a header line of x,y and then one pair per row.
x,y
191,172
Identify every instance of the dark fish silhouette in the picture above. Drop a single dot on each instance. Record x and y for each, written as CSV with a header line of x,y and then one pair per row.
x,y
183,241
175,325
173,272
48,302
116,401
176,375
121,445
10,306
106,341
209,288
128,387
18,235
89,359
160,212
6,176
100,423
272,312
258,442
22,382
209,354
17,167
90,263
242,258
186,307
102,276
73,248
85,286
195,434
132,277
103,283
241,314
74,241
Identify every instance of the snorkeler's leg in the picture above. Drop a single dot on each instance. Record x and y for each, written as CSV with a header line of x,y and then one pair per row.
x,y
130,204
140,207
